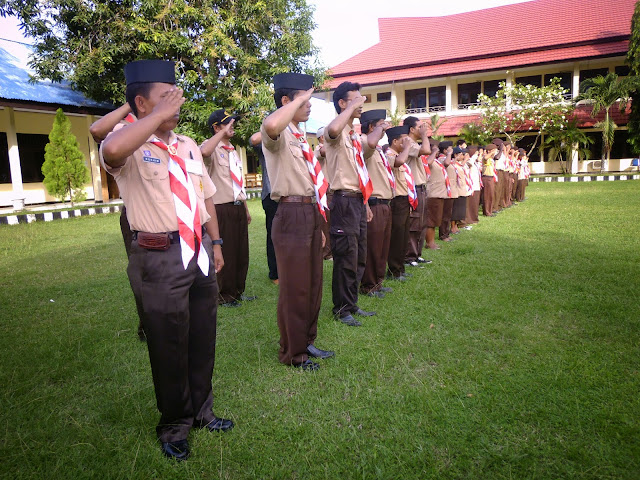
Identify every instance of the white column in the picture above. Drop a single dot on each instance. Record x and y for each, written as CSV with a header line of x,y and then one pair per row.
x,y
94,163
14,162
576,81
448,96
394,99
574,159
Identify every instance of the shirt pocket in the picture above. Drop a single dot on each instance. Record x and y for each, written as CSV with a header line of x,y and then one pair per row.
x,y
197,185
155,179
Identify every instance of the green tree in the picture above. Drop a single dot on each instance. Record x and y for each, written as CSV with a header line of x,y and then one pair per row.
x,y
633,59
64,169
226,51
519,109
603,93
562,144
435,122
474,134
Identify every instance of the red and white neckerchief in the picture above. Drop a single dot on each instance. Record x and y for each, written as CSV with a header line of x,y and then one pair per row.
x,y
320,184
467,179
447,183
387,167
185,201
527,170
412,195
427,169
130,118
366,187
235,168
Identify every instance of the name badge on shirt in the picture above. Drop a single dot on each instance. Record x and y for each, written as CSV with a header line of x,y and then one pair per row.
x,y
193,166
151,160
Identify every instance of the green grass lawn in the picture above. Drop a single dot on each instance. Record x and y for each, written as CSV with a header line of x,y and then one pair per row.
x,y
515,355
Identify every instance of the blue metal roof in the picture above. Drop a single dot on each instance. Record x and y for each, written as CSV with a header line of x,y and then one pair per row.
x,y
14,81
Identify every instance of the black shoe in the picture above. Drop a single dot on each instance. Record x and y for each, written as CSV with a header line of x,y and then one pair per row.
x,y
315,352
349,320
178,449
247,298
308,366
376,294
422,260
142,336
386,289
363,313
231,304
218,425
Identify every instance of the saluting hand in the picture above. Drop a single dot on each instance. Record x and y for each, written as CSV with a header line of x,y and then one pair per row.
x,y
306,96
423,129
385,126
169,105
406,142
356,102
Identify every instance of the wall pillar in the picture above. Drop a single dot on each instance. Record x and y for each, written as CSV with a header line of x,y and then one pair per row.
x,y
448,98
14,163
576,81
394,99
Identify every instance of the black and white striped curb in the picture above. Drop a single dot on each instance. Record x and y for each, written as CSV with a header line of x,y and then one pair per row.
x,y
49,216
586,178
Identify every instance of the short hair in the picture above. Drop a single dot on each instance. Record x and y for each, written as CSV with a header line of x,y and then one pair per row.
x,y
135,89
364,126
392,137
460,142
411,121
342,92
284,92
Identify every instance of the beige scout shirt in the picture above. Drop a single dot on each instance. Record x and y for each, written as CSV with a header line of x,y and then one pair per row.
x,y
415,163
501,162
436,186
487,167
451,171
143,182
377,171
341,169
401,180
220,173
463,190
287,167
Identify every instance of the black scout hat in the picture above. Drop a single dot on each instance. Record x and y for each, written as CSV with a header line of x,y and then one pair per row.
x,y
150,71
395,132
457,150
442,146
295,81
373,115
220,117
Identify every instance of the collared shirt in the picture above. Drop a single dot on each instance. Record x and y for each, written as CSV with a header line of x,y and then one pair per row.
x,y
377,171
436,186
460,181
220,173
399,173
286,164
451,171
501,163
487,168
144,186
341,171
474,173
415,163
524,164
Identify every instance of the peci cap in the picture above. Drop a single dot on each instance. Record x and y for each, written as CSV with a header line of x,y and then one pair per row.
x,y
220,117
373,115
490,147
497,141
395,132
150,71
442,146
457,150
295,81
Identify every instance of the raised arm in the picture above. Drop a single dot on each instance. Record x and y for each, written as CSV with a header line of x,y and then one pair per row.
x,y
337,124
275,123
403,156
101,128
374,137
210,144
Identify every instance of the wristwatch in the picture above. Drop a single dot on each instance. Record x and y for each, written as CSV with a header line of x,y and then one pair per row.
x,y
217,242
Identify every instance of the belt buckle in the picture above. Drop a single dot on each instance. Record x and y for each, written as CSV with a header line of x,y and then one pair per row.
x,y
237,202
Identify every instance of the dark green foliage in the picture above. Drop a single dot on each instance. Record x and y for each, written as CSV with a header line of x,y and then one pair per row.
x,y
226,51
633,59
64,169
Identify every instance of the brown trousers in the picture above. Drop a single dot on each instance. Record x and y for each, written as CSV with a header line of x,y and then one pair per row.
x,y
326,250
378,241
400,210
297,238
520,190
349,247
488,195
506,194
514,186
127,238
179,318
417,227
445,226
232,222
473,204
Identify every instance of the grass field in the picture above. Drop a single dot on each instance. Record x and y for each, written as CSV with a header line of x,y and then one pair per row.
x,y
515,355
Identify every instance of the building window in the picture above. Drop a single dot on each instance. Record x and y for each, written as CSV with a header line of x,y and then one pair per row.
x,y
367,98
468,94
383,97
415,100
594,72
491,87
438,99
31,148
622,70
533,80
5,169
596,147
566,80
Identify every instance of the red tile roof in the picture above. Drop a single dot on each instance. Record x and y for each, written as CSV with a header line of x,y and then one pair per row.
x,y
550,31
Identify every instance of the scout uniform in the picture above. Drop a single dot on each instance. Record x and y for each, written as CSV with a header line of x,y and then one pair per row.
x,y
178,294
225,169
326,250
489,180
444,231
417,221
296,234
379,228
461,186
400,210
473,200
439,189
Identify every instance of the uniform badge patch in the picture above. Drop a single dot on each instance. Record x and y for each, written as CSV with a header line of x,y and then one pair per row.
x,y
147,153
150,160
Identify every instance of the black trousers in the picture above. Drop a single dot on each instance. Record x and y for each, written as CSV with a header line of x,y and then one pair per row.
x,y
127,238
234,231
179,318
349,248
270,207
400,211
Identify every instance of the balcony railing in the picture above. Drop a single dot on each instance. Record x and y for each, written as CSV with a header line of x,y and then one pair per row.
x,y
439,108
468,106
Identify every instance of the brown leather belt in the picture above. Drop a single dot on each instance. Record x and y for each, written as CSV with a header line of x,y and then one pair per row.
x,y
344,193
297,199
378,201
421,187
